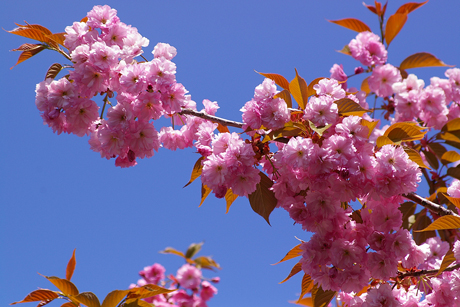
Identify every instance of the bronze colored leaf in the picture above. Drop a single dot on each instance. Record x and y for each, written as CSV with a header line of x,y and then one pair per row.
x,y
371,8
39,295
27,54
404,132
407,209
196,171
286,96
306,301
431,159
307,285
453,200
454,172
35,34
206,262
421,59
296,269
204,193
345,50
145,291
170,250
53,71
394,24
68,304
230,198
370,125
113,298
299,90
263,200
415,157
280,80
136,303
422,221
66,286
58,38
296,251
448,259
450,157
221,128
384,140
452,125
410,7
41,28
311,91
365,86
88,299
322,298
438,149
193,249
28,47
352,24
356,216
70,266
443,222
349,107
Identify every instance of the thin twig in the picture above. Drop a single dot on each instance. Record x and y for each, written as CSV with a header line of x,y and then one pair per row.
x,y
215,119
433,207
427,272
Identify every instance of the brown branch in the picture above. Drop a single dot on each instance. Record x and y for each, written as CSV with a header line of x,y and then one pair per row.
x,y
427,272
215,119
433,207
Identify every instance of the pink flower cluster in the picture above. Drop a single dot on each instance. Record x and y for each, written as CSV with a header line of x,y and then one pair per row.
x,y
192,289
368,49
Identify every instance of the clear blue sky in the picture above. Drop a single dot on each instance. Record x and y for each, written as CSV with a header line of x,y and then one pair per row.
x,y
57,195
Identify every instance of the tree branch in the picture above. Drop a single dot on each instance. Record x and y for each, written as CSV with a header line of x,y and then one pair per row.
x,y
215,119
427,272
433,207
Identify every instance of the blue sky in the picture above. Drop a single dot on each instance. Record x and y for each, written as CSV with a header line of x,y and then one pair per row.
x,y
57,195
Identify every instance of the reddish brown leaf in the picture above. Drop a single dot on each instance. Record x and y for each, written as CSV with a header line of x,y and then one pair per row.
x,y
280,80
88,299
53,71
307,285
371,8
263,200
404,132
296,251
452,125
444,222
30,33
286,96
415,157
221,128
299,90
28,54
454,172
409,7
28,47
41,28
113,298
58,38
296,269
69,304
70,266
170,250
421,59
145,291
196,171
352,24
322,298
422,221
347,107
38,295
394,24
450,157
67,287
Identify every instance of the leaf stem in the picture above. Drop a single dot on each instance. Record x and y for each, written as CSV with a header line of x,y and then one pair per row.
x,y
215,119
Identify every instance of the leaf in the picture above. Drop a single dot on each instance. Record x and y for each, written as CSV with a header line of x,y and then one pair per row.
x,y
452,125
204,193
352,24
365,86
299,90
263,200
113,298
27,54
53,71
356,216
70,266
32,33
306,301
221,128
431,159
394,24
145,291
448,259
196,171
383,140
307,285
410,7
407,209
135,303
68,304
296,269
193,249
348,107
280,80
28,47
206,262
322,298
421,59
453,200
283,132
66,286
296,251
444,222
59,38
88,299
230,198
454,172
447,136
345,50
286,96
404,132
450,157
38,295
321,130
415,156
311,91
170,250
438,149
370,125
422,221
371,8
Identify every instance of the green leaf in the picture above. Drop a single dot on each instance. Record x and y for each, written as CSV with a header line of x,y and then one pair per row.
x,y
263,200
352,24
193,249
443,222
321,130
196,171
299,90
421,59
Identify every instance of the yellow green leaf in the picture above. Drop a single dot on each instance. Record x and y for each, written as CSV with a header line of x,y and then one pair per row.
x,y
348,107
230,198
70,266
404,132
394,24
296,251
311,91
352,24
444,222
296,269
421,59
193,249
384,140
204,193
321,130
299,90
196,171
170,250
409,7
286,96
113,298
365,86
415,157
39,295
448,259
307,285
263,200
88,299
206,262
280,80
450,157
66,286
345,50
